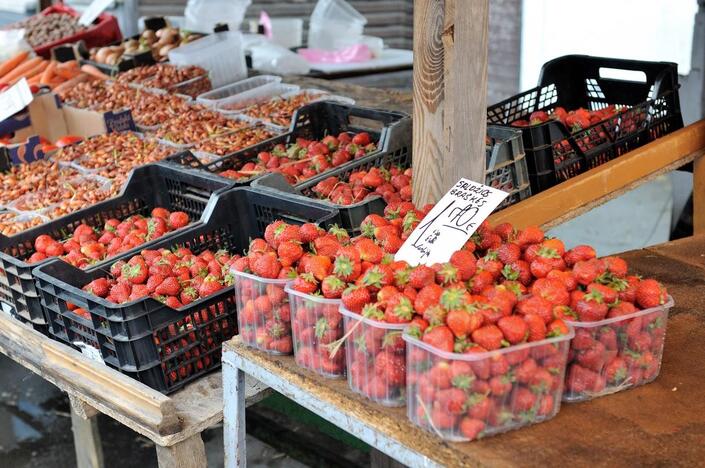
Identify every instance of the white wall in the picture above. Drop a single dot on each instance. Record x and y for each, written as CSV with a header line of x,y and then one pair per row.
x,y
659,30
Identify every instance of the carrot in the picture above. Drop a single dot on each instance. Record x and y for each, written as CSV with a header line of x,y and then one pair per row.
x,y
10,64
21,69
93,71
71,64
34,71
48,73
36,79
66,72
72,82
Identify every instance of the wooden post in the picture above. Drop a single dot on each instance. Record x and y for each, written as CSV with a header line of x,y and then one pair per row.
x,y
450,94
86,438
699,196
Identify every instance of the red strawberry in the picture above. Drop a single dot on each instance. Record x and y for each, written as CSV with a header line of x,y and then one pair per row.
x,y
440,337
305,283
169,287
515,329
399,309
536,326
355,297
178,219
508,253
616,371
463,322
609,295
429,296
267,265
391,367
489,337
650,293
587,271
465,263
591,307
518,271
99,287
210,285
523,400
579,253
553,290
136,273
529,235
289,253
332,287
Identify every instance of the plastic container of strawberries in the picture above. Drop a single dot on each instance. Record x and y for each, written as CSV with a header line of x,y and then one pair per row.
x,y
316,325
104,30
146,339
615,354
264,319
463,397
390,130
553,153
149,186
375,358
506,170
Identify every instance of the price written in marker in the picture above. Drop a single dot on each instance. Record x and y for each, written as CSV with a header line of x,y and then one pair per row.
x,y
450,223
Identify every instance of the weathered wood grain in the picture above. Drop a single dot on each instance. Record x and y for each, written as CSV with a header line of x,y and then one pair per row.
x,y
450,93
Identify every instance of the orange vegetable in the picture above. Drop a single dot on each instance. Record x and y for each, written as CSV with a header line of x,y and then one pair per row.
x,y
20,70
72,82
11,63
67,72
48,73
93,71
33,71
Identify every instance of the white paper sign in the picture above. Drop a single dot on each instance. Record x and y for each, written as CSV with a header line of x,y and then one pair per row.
x,y
93,11
14,99
89,351
450,223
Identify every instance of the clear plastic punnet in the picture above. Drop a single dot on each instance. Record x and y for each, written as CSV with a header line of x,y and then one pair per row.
x,y
264,316
316,325
467,396
376,361
615,354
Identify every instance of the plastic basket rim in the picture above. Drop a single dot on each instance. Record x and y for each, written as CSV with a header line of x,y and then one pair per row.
x,y
666,307
260,278
367,321
310,297
488,354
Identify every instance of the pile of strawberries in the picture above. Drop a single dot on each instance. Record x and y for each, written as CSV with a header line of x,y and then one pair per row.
x,y
575,120
305,158
87,246
176,278
393,184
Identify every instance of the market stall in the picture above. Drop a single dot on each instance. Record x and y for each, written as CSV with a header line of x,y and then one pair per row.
x,y
162,213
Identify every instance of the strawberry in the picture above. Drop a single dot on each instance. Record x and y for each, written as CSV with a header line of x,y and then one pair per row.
x,y
609,295
615,371
187,296
523,400
587,271
120,292
628,293
173,302
553,290
429,296
509,252
355,297
489,337
440,337
650,293
169,287
99,287
347,264
178,219
465,263
463,322
332,287
289,253
305,283
266,266
326,245
529,235
536,327
319,266
399,309
136,273
369,251
514,329
590,307
616,266
391,367
210,285
579,253
153,281
451,400
518,271
536,305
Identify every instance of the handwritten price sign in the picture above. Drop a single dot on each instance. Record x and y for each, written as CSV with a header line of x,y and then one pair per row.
x,y
450,223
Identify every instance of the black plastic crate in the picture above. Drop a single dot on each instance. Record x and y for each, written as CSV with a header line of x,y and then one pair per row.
x,y
506,170
553,153
149,186
390,130
147,339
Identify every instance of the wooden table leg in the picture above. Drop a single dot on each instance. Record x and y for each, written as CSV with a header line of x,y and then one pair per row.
x,y
190,453
699,196
86,438
234,431
382,460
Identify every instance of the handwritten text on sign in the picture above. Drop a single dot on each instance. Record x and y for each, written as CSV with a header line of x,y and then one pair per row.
x,y
450,223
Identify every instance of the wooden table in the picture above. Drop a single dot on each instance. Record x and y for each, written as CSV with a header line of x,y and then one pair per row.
x,y
173,423
660,424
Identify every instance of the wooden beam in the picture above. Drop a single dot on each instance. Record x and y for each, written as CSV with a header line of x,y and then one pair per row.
x,y
132,403
595,187
86,438
699,196
450,94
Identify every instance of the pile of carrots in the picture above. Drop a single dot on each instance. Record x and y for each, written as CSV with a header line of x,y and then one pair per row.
x,y
39,71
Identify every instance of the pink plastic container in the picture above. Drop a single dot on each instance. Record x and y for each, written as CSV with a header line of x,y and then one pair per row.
x,y
376,361
316,325
615,354
264,317
462,397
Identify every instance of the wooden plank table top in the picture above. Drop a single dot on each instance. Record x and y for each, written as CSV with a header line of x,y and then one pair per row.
x,y
660,424
166,420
